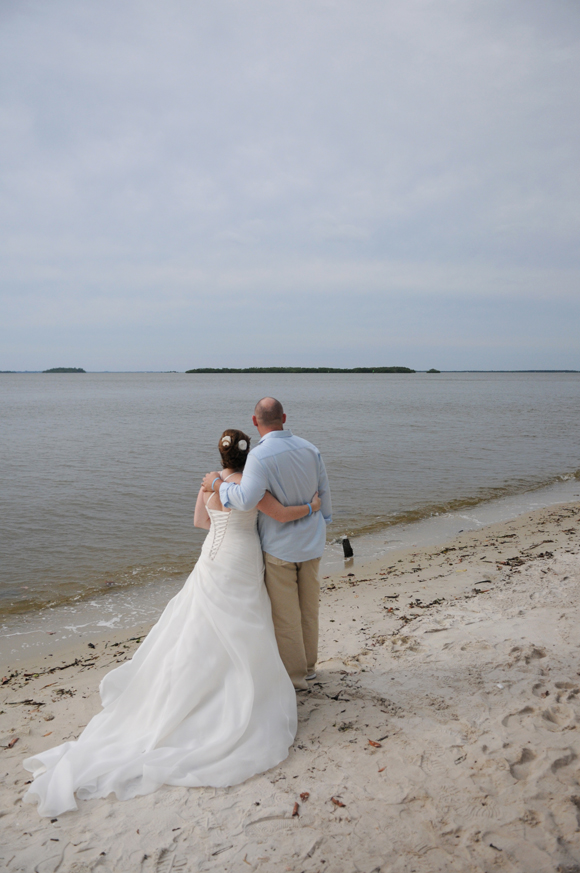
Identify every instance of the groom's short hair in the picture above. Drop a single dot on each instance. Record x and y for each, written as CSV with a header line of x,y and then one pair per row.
x,y
269,410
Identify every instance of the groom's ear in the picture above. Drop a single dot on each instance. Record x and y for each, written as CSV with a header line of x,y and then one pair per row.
x,y
283,418
254,421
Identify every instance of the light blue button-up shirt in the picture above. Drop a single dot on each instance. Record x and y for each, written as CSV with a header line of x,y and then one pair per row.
x,y
293,471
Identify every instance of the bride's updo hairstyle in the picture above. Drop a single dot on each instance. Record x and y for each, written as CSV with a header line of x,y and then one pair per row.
x,y
234,446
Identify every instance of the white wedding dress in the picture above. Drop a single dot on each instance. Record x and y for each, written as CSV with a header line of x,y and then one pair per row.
x,y
205,700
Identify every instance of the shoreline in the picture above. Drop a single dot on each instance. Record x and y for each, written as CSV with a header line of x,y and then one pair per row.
x,y
445,718
382,568
123,609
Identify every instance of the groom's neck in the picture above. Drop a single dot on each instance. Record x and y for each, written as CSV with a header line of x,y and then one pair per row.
x,y
264,429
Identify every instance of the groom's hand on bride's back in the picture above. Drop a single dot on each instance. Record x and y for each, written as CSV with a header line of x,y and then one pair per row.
x,y
207,480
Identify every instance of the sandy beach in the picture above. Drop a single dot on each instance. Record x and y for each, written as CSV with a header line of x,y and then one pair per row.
x,y
442,732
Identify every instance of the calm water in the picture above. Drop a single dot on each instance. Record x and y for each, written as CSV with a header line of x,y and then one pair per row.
x,y
99,472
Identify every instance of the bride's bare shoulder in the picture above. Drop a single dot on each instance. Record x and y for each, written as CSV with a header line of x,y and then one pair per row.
x,y
214,496
235,477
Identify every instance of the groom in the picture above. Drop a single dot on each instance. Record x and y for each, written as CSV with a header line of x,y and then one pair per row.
x,y
293,471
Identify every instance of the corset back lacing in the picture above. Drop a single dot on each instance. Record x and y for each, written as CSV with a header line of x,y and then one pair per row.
x,y
218,531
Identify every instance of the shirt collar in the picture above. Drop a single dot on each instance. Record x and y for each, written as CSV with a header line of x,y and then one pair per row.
x,y
276,434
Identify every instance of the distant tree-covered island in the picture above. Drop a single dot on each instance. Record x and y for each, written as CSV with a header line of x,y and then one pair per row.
x,y
301,370
65,370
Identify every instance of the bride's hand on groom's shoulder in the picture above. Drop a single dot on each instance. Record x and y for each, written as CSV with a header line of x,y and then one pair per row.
x,y
207,480
315,503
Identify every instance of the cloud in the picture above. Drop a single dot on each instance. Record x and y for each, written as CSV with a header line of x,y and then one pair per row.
x,y
161,160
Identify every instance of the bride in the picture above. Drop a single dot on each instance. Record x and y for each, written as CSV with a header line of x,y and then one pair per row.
x,y
205,700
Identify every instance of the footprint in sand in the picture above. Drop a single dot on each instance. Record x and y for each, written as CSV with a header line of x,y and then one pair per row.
x,y
528,654
483,807
557,717
527,710
522,768
564,761
566,691
540,690
434,762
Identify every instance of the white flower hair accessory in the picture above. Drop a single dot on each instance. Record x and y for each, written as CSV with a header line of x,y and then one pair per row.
x,y
243,445
226,441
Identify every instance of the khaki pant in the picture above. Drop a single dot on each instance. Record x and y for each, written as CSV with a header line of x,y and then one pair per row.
x,y
294,592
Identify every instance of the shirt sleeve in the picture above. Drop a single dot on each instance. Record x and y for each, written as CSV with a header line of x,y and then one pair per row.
x,y
324,492
251,489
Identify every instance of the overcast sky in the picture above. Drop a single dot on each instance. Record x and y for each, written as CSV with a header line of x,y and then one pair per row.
x,y
290,182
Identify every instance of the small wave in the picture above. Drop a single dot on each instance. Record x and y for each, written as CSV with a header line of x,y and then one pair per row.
x,y
567,477
113,623
37,601
362,527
